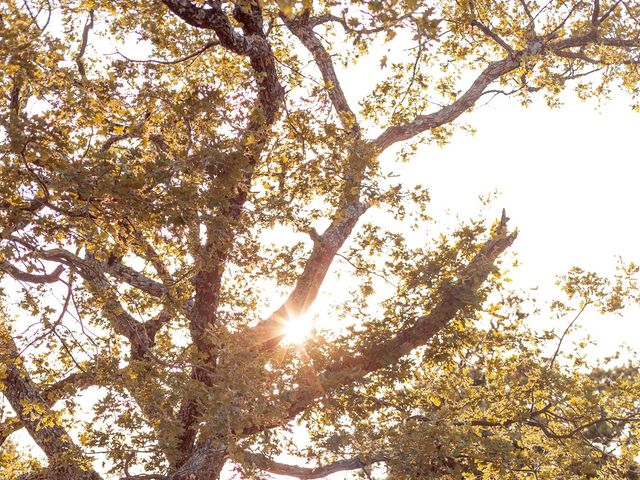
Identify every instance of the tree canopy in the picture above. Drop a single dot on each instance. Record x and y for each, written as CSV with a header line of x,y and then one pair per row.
x,y
179,178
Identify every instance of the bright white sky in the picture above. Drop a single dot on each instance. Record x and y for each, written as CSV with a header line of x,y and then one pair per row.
x,y
568,179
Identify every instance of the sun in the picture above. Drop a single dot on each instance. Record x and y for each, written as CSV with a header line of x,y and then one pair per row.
x,y
297,330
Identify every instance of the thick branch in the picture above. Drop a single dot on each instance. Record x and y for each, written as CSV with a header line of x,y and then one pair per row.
x,y
134,278
91,268
212,18
449,113
140,334
494,71
593,38
51,395
270,331
491,34
7,427
306,473
300,28
31,277
83,45
205,463
33,412
253,45
596,12
453,299
69,384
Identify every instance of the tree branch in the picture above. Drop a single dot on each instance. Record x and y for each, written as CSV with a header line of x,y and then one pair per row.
x,y
83,45
329,17
31,277
140,334
306,473
354,367
90,268
606,14
595,39
71,383
51,394
255,46
221,231
491,34
596,12
212,18
449,113
491,73
33,412
7,427
301,28
175,61
269,332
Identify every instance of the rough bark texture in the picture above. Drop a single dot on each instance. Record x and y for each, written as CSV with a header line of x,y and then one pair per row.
x,y
204,464
66,460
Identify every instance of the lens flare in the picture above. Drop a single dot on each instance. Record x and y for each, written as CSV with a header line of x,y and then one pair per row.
x,y
297,330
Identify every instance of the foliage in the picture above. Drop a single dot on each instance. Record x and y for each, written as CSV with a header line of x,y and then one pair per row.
x,y
154,208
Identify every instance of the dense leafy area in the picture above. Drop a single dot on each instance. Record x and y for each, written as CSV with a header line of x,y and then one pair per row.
x,y
179,177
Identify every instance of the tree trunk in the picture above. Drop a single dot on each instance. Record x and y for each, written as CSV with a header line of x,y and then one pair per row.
x,y
205,464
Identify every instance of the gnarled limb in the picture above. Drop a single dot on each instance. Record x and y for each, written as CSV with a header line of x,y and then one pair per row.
x,y
140,334
422,123
32,409
204,464
69,384
51,394
254,46
492,72
8,426
354,367
302,28
307,473
90,269
212,18
269,332
19,275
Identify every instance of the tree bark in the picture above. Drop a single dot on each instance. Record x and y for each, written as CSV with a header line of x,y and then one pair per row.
x,y
205,463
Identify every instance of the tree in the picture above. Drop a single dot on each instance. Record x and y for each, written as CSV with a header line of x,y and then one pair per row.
x,y
137,199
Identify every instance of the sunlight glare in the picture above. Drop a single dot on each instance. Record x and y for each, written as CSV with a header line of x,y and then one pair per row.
x,y
297,330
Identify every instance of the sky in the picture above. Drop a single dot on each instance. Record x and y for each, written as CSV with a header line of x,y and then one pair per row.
x,y
569,179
